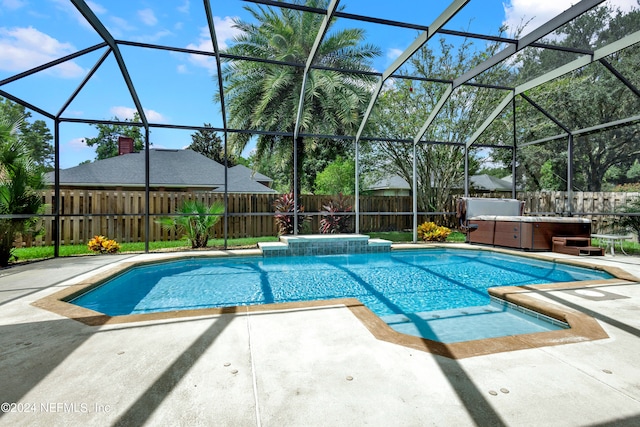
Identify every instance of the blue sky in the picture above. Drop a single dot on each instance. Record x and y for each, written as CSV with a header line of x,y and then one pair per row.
x,y
179,88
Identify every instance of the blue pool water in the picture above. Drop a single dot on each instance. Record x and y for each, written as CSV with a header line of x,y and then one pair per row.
x,y
389,284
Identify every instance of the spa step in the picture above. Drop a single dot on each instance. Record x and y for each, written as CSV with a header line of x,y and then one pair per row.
x,y
575,246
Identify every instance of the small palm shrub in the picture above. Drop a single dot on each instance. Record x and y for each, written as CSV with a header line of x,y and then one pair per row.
x,y
285,207
430,232
332,222
20,183
195,220
103,245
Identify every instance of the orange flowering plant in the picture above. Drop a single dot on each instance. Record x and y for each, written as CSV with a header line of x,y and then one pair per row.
x,y
103,245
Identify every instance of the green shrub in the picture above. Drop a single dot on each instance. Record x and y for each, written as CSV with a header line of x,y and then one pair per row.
x,y
195,221
20,183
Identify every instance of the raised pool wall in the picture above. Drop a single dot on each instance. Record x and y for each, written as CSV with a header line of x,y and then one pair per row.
x,y
324,244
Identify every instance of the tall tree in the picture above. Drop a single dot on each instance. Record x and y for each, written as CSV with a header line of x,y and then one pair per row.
x,y
106,142
264,96
581,99
403,109
339,177
36,136
209,144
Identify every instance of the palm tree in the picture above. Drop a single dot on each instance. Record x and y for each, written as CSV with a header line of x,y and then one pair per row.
x,y
264,96
195,220
20,183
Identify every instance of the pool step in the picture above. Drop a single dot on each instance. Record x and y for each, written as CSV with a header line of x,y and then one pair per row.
x,y
324,244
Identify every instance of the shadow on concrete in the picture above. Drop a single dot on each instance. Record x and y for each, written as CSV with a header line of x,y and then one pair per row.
x,y
474,402
153,397
596,315
31,351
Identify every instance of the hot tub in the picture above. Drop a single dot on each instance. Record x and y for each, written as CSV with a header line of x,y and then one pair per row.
x,y
525,232
500,222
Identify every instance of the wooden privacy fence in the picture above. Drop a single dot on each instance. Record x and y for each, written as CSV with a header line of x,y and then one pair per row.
x,y
120,214
597,206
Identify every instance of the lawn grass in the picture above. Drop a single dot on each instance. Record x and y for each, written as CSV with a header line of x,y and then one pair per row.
x,y
40,252
630,247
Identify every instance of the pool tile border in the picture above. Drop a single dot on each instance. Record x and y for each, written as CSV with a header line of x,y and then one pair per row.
x,y
582,327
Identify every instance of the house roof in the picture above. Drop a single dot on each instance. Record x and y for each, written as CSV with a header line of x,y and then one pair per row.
x,y
168,168
256,176
481,182
394,182
491,183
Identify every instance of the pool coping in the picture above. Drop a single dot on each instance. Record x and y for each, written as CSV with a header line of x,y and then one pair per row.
x,y
582,326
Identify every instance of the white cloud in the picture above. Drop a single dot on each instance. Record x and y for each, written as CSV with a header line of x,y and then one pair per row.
x,y
518,12
13,4
74,151
97,8
154,116
393,53
204,44
224,33
24,48
147,17
185,7
123,112
182,69
151,38
76,144
127,113
225,30
624,5
119,26
70,10
535,12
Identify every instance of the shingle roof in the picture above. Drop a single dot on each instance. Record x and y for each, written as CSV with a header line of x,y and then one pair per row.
x,y
491,183
481,182
169,168
393,182
256,176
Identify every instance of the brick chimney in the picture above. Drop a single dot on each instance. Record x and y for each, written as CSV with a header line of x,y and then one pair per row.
x,y
125,145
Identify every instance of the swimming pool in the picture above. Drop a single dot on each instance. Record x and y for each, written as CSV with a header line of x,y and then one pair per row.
x,y
389,284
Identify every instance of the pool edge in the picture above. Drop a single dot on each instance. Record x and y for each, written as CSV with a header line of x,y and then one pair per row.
x,y
582,327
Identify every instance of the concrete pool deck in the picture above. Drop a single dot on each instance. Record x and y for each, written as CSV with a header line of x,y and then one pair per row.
x,y
317,366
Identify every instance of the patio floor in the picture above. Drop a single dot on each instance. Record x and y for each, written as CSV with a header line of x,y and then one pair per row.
x,y
303,367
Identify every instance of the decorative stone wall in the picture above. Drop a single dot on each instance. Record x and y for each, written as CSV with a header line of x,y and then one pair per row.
x,y
324,244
